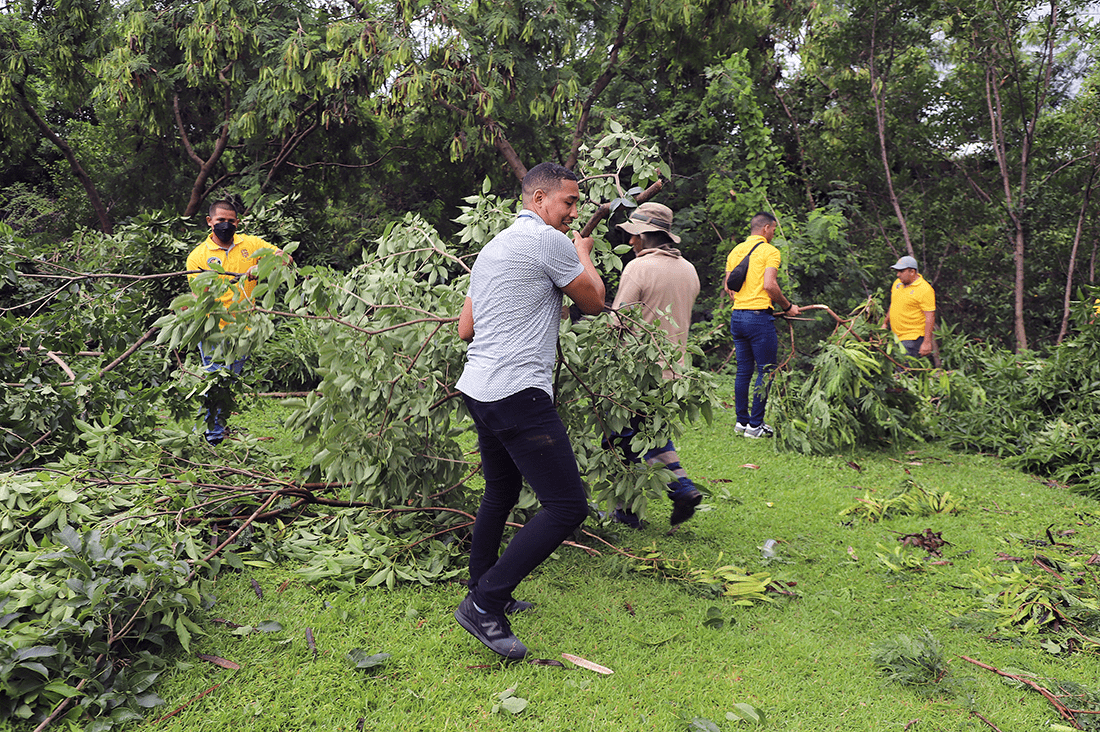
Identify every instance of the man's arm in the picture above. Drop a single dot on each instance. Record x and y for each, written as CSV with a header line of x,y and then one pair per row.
x,y
466,321
729,293
587,289
929,326
771,286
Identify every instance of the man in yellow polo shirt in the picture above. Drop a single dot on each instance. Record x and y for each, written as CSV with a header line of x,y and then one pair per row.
x,y
235,253
755,342
912,314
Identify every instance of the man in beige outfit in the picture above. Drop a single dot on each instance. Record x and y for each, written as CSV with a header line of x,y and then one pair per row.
x,y
661,286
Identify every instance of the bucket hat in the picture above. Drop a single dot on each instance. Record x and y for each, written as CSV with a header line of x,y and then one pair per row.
x,y
650,217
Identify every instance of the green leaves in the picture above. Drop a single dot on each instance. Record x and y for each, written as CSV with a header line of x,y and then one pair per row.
x,y
361,659
746,713
1045,596
915,660
509,702
714,619
855,395
80,596
742,712
910,499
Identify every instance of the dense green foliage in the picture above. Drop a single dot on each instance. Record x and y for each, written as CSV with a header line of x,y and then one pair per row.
x,y
357,136
86,616
911,661
680,651
885,118
1038,413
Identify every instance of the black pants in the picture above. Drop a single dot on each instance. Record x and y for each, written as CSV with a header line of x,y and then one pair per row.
x,y
521,436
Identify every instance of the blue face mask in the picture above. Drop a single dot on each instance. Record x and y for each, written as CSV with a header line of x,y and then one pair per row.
x,y
225,230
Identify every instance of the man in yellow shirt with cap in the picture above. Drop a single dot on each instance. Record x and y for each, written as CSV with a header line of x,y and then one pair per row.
x,y
912,314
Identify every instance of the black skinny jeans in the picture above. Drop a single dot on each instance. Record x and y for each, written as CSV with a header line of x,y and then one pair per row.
x,y
521,436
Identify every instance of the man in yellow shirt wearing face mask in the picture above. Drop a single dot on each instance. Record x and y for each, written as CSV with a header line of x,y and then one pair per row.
x,y
235,253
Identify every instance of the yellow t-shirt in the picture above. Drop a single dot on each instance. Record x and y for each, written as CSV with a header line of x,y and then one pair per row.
x,y
238,258
908,306
751,296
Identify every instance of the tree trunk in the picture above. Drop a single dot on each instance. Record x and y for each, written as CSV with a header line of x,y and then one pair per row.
x,y
1092,260
880,124
70,156
1035,100
604,79
1073,256
509,152
810,203
206,167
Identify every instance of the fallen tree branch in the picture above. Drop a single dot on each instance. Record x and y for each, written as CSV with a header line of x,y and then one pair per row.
x,y
605,209
56,358
26,349
991,725
235,534
28,447
1065,712
187,703
129,351
114,637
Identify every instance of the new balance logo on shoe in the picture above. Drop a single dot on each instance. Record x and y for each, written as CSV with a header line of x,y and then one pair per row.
x,y
491,629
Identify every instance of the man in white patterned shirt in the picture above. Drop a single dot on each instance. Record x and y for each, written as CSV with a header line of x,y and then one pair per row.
x,y
510,319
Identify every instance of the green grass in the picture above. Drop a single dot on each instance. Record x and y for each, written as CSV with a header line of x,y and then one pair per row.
x,y
804,662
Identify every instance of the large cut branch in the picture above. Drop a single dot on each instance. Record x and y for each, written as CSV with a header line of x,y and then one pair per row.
x,y
605,209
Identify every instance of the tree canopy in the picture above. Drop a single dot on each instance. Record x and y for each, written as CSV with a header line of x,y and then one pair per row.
x,y
963,134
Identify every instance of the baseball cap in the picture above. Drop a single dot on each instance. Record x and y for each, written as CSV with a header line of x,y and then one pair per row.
x,y
906,262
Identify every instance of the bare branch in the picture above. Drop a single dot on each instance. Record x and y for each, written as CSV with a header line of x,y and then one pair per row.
x,y
609,72
184,138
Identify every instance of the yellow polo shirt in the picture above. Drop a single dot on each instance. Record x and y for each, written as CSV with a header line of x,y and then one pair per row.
x,y
238,258
908,304
752,296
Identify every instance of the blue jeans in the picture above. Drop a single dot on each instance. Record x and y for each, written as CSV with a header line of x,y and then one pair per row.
x,y
521,436
756,345
215,399
912,348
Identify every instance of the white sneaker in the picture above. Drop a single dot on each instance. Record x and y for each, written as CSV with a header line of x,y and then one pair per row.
x,y
740,428
763,430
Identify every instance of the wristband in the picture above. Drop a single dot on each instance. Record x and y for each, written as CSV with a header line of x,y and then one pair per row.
x,y
789,306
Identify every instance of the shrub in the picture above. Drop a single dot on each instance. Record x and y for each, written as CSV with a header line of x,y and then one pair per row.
x,y
915,661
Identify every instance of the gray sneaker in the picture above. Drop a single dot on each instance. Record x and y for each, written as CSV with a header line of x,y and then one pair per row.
x,y
740,428
492,630
764,430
